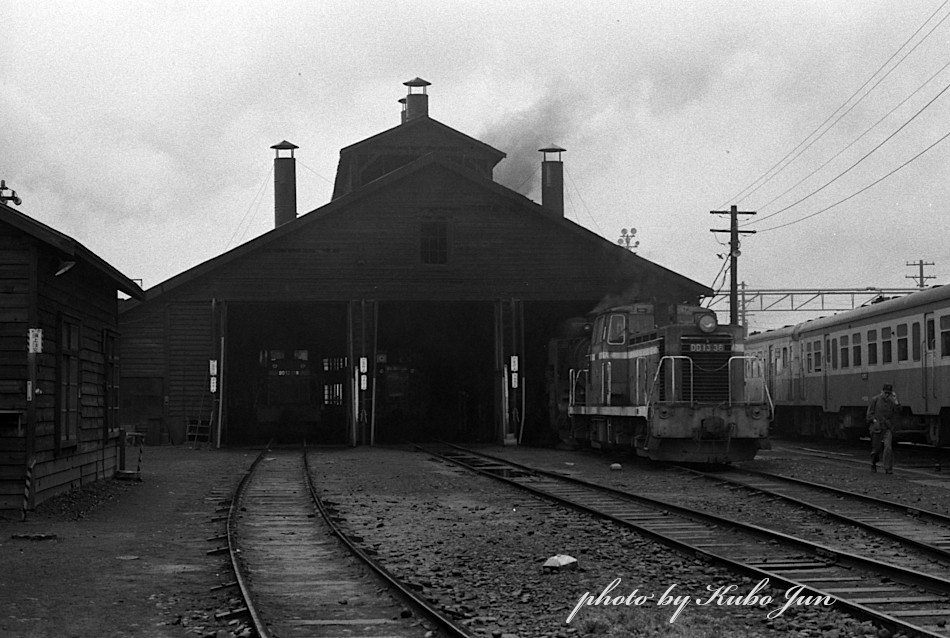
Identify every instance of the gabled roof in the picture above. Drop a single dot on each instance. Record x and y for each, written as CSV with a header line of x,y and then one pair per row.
x,y
401,140
423,163
425,120
69,247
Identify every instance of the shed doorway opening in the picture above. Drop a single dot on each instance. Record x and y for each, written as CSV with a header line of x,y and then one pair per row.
x,y
286,371
433,372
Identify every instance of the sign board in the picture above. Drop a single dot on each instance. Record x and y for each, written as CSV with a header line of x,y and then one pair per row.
x,y
214,384
35,341
363,382
213,367
363,365
514,363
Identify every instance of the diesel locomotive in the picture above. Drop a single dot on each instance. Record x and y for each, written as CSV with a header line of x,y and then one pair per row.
x,y
669,382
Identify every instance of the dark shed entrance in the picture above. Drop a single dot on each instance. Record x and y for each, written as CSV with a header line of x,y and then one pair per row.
x,y
433,372
285,372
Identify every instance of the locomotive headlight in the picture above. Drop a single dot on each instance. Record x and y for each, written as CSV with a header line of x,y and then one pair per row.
x,y
706,323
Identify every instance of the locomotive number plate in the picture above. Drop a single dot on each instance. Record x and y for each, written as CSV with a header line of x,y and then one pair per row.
x,y
707,347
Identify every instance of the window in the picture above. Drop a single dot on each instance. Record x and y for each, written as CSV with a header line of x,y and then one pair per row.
x,y
902,351
434,241
945,336
68,386
872,347
817,356
856,349
931,335
808,365
616,329
833,351
845,350
915,341
110,356
886,350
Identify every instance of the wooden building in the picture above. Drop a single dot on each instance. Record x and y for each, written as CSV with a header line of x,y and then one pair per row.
x,y
58,361
418,302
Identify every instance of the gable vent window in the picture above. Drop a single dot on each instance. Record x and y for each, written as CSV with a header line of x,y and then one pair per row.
x,y
434,241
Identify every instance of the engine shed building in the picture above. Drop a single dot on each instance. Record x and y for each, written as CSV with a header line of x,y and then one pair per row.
x,y
59,330
418,302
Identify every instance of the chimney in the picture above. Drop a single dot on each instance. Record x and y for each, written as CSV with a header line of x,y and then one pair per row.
x,y
285,184
402,101
417,104
552,181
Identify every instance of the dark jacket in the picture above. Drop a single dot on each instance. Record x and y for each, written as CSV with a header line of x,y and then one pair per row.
x,y
882,409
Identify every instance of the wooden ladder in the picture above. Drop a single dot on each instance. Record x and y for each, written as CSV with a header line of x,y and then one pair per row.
x,y
199,431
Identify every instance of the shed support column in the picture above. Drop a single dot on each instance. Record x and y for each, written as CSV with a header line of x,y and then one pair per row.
x,y
509,370
361,352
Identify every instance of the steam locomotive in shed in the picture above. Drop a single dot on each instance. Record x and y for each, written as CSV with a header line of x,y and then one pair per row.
x,y
666,381
822,373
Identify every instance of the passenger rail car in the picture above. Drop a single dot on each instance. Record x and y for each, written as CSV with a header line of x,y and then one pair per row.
x,y
670,383
823,373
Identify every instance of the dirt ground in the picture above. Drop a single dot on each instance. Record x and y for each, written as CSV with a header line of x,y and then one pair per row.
x,y
125,558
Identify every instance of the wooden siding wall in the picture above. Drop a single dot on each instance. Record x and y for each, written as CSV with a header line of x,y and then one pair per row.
x,y
15,258
173,342
88,297
371,250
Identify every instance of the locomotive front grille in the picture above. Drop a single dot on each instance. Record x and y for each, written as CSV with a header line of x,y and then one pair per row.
x,y
710,355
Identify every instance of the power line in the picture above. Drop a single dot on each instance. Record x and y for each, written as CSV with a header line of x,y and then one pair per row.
x,y
765,177
864,157
855,141
853,195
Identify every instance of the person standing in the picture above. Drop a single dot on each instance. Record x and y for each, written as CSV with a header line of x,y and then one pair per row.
x,y
880,417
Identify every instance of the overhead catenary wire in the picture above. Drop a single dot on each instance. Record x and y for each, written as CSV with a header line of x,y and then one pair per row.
x,y
769,174
839,153
855,194
861,159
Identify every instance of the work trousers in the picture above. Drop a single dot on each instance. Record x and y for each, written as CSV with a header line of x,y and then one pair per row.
x,y
882,448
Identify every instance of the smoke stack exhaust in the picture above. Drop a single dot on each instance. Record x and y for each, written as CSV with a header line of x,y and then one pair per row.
x,y
285,184
552,181
417,104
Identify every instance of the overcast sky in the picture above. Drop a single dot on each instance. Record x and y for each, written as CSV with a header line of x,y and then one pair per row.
x,y
143,129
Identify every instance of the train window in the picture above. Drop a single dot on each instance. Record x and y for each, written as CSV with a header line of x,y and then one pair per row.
x,y
931,335
872,347
856,349
844,352
945,336
784,358
599,326
818,356
834,354
808,366
616,329
902,352
915,341
886,346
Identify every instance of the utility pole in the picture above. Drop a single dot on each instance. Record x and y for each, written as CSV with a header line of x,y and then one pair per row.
x,y
921,278
734,253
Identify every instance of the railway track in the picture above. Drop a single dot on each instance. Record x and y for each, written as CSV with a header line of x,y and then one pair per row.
x,y
298,578
902,599
925,532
